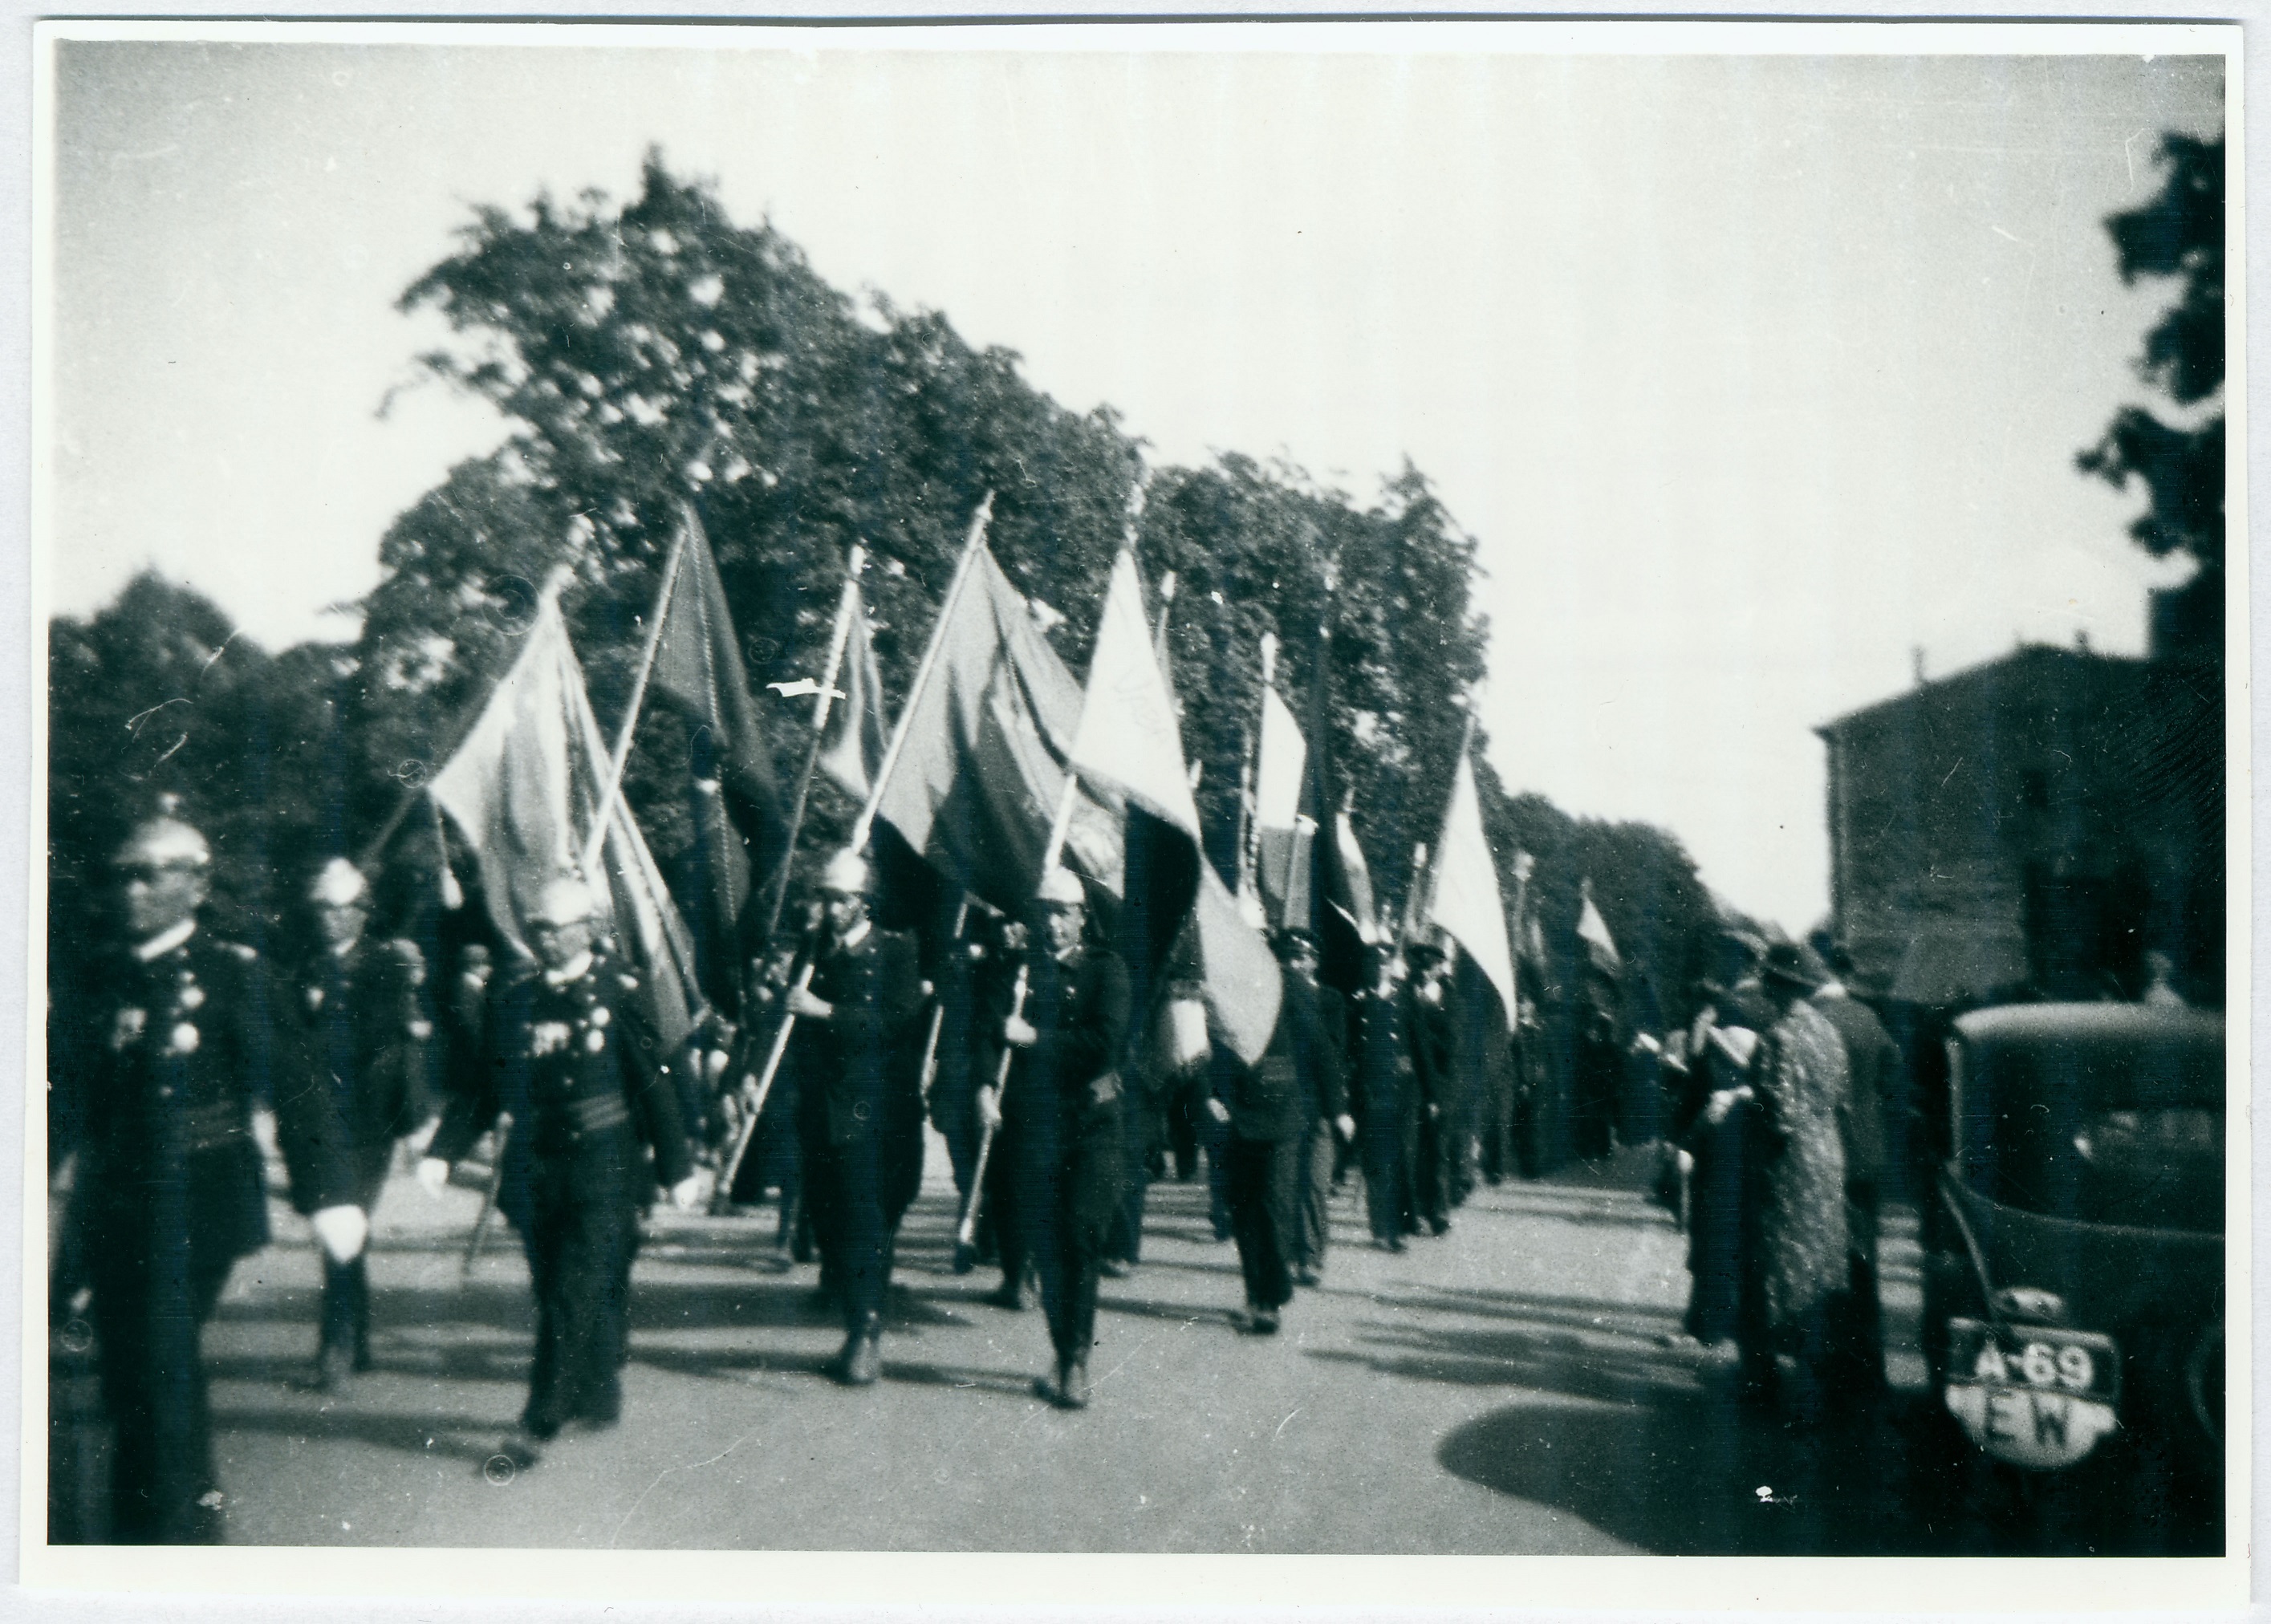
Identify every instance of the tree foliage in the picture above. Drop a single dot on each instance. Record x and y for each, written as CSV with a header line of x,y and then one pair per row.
x,y
2179,233
659,353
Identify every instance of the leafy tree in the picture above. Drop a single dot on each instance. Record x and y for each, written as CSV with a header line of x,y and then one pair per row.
x,y
2179,233
153,695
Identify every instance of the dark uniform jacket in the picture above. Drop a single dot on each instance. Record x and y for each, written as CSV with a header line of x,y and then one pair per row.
x,y
1432,1029
861,1071
1079,1012
583,1075
1385,1068
174,1055
1300,1076
362,1030
1062,1100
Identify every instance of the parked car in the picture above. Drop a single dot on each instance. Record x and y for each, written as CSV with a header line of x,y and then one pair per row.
x,y
2073,1266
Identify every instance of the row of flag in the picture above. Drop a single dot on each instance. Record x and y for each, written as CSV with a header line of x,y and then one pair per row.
x,y
1000,757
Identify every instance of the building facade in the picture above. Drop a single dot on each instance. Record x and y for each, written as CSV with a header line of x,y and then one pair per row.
x,y
2033,826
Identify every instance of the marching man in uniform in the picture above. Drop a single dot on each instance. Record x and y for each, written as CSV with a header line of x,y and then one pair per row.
x,y
1058,1114
857,1052
364,1031
176,1042
576,1062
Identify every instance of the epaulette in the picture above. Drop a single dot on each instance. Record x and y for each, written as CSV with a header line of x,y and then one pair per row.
x,y
239,951
628,981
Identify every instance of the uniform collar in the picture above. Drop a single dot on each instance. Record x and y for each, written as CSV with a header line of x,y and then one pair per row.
x,y
165,941
854,936
570,973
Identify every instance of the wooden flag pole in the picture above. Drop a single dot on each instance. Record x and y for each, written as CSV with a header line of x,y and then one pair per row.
x,y
938,1007
777,887
597,841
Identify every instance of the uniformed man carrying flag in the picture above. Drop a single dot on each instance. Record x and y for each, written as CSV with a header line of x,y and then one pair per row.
x,y
1057,1112
857,1045
574,1062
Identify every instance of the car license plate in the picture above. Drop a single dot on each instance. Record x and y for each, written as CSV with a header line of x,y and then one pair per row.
x,y
2032,1395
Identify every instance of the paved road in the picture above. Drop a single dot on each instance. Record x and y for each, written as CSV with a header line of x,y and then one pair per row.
x,y
1517,1386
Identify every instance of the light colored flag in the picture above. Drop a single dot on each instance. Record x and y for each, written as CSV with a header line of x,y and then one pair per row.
x,y
1463,897
858,734
1128,740
524,789
1281,761
1129,744
1593,931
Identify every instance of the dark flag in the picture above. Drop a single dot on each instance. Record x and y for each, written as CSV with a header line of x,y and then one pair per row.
x,y
1322,893
740,827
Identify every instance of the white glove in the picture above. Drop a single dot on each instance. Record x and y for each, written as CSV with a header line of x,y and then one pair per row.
x,y
1218,1110
433,1176
686,1194
342,1230
1019,1032
989,1107
1347,1125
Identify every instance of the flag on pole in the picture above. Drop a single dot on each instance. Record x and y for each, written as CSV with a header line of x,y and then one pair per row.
x,y
1130,745
698,668
1322,893
1593,931
740,829
523,790
1279,768
1463,897
853,753
981,767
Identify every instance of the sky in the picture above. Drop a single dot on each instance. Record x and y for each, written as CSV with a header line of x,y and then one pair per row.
x,y
1757,378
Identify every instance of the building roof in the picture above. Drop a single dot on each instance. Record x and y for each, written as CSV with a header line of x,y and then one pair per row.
x,y
2036,660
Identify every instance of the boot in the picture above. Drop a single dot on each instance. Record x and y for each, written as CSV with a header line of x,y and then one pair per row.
x,y
862,1362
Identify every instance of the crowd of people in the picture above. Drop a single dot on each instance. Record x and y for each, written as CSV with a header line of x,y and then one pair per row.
x,y
1058,1100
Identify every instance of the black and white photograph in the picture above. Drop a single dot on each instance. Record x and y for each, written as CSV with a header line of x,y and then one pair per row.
x,y
811,798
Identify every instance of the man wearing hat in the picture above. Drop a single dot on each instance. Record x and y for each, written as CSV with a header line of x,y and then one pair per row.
x,y
1433,1147
1269,1108
858,1048
1873,1078
176,1040
1385,1075
574,1060
363,1031
1057,1112
1320,1072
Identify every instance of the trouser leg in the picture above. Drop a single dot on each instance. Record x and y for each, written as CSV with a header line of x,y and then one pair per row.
x,y
1218,1139
1261,1214
862,1238
149,1331
1127,1242
1383,1185
1005,1197
1312,1186
550,1255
